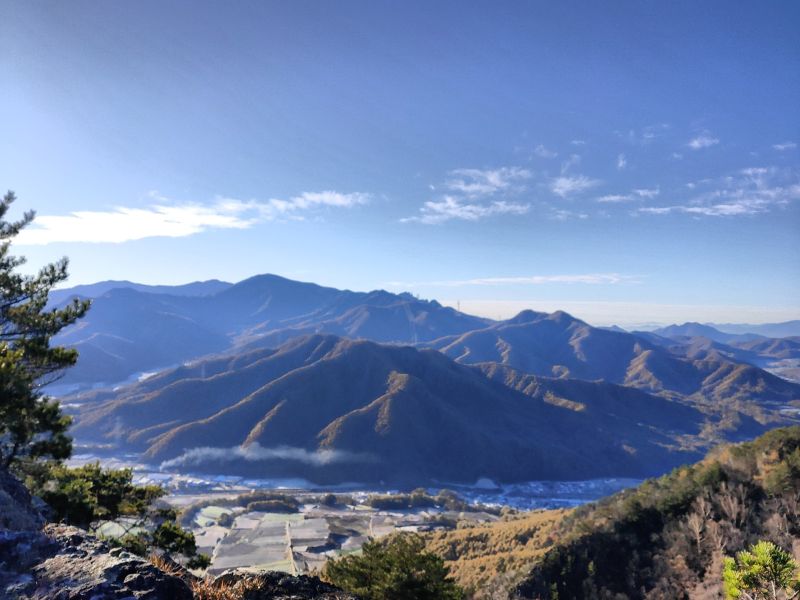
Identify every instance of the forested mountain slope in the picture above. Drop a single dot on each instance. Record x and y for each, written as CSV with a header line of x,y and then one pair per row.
x,y
365,411
667,537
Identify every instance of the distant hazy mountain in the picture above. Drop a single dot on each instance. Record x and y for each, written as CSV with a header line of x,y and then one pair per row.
x,y
731,331
93,290
132,329
560,345
773,330
700,330
340,410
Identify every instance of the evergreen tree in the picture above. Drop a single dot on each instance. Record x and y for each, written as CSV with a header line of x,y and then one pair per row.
x,y
397,567
31,425
764,571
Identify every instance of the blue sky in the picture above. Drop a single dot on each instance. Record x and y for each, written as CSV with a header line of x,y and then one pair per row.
x,y
629,162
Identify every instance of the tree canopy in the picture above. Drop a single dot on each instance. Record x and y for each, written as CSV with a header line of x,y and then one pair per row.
x,y
764,571
397,567
31,425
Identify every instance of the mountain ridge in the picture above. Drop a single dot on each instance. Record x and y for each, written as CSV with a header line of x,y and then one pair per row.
x,y
419,415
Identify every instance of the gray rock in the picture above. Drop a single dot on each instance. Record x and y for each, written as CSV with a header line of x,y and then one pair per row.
x,y
17,511
60,562
66,563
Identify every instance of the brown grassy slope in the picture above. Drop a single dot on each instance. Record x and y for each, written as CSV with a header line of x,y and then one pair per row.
x,y
493,557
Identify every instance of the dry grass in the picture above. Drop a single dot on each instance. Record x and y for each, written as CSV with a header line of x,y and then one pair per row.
x,y
487,556
206,589
167,566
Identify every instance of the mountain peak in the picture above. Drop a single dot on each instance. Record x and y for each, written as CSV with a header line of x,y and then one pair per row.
x,y
526,316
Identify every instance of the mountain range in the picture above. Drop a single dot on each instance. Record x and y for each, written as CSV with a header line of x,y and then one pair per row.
x,y
272,377
131,330
332,409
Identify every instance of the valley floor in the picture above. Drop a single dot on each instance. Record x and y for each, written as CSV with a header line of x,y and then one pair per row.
x,y
240,534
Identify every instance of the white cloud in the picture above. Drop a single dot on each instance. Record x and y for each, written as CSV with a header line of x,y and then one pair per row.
x,y
612,198
449,208
704,140
785,146
256,453
471,197
751,191
578,142
567,185
542,152
277,208
586,278
647,192
486,182
622,162
166,219
636,194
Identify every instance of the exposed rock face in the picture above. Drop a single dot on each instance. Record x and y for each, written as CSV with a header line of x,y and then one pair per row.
x,y
60,562
66,563
16,506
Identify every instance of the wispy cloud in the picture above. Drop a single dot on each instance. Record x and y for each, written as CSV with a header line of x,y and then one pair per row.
x,y
475,194
585,278
567,185
486,182
622,162
578,142
257,453
636,194
704,140
750,191
645,135
572,161
542,152
784,146
449,208
276,208
560,214
164,218
647,192
613,198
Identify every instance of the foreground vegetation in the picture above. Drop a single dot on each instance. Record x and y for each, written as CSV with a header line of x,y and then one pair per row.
x,y
669,537
394,568
33,430
489,559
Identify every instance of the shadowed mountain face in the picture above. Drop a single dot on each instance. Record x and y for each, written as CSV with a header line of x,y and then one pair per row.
x,y
561,346
338,410
130,329
280,387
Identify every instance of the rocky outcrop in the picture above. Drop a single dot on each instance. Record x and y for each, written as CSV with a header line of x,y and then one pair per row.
x,y
17,511
60,562
66,563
